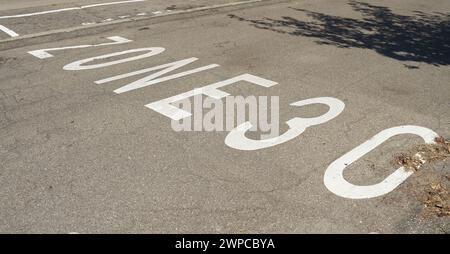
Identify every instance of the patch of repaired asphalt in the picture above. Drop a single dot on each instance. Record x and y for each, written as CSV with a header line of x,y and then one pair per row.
x,y
426,153
4,60
436,199
432,186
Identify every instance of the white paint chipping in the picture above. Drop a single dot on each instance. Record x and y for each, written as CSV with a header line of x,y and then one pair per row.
x,y
8,31
69,9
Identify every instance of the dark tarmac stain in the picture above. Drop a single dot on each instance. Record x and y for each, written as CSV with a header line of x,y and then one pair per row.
x,y
182,7
5,60
411,66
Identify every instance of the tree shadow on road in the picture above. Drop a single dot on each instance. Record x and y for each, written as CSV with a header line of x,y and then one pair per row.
x,y
422,37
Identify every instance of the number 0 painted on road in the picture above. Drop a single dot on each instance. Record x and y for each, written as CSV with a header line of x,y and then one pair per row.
x,y
334,178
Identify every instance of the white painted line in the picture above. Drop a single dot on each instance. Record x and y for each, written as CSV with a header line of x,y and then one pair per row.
x,y
334,175
46,36
8,31
111,3
166,108
79,65
69,9
39,13
237,139
43,53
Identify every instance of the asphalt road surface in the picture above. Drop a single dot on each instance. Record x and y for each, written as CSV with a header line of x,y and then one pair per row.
x,y
78,155
28,17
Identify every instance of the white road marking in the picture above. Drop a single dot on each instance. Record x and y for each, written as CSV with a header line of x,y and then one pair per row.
x,y
236,138
334,175
69,9
110,3
164,106
156,77
8,31
79,65
43,53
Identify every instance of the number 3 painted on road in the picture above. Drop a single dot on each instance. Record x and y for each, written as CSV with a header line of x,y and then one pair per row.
x,y
334,178
236,138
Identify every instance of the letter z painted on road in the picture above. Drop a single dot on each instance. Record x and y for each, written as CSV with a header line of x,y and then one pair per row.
x,y
43,53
